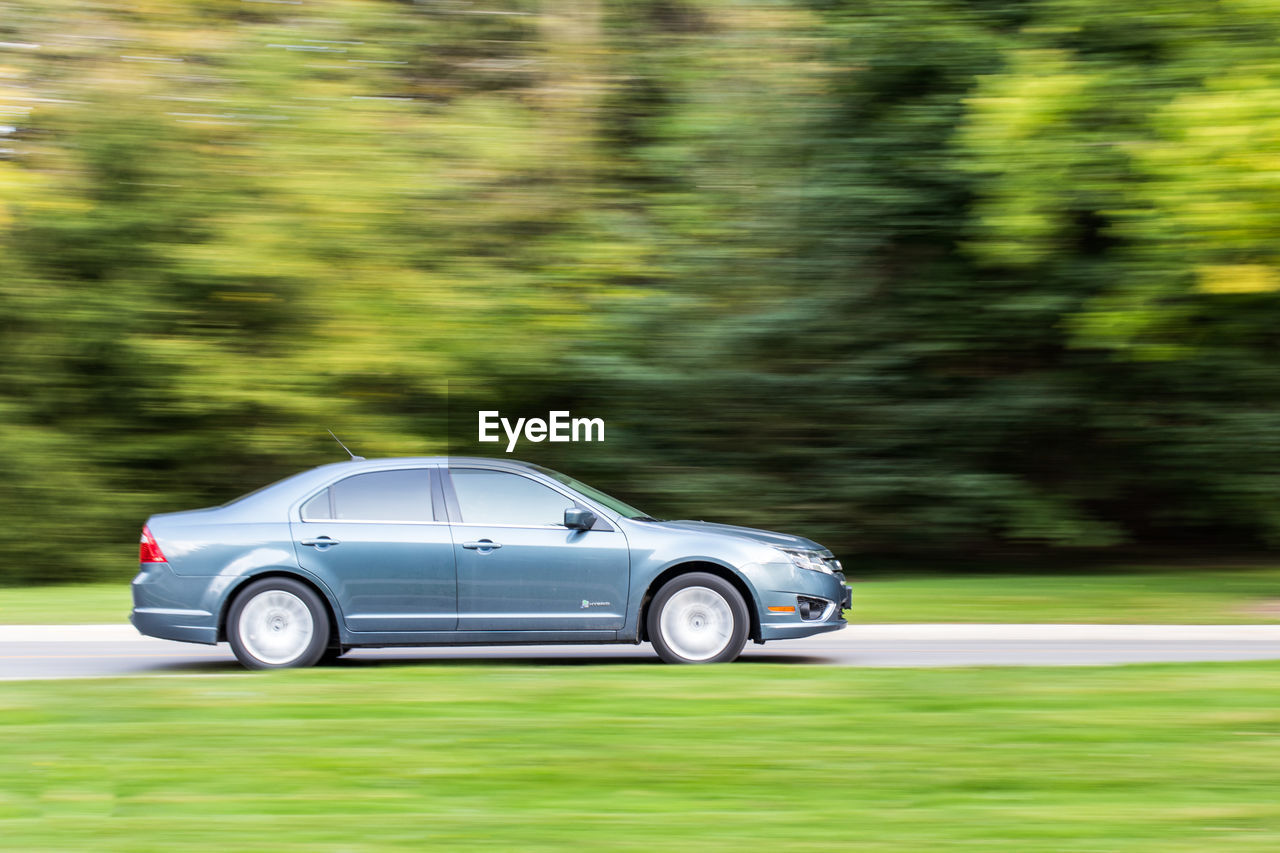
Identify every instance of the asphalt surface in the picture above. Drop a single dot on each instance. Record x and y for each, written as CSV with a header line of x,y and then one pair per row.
x,y
97,651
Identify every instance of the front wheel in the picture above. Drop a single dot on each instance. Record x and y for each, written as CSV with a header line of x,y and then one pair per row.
x,y
277,623
698,618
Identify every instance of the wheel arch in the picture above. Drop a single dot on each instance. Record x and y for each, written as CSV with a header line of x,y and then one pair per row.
x,y
719,570
335,629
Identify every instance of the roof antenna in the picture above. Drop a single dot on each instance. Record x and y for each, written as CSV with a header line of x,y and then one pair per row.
x,y
354,458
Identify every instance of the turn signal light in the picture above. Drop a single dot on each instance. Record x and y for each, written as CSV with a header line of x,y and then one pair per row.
x,y
782,610
148,550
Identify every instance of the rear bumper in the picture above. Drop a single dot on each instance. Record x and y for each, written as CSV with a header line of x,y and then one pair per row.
x,y
158,596
188,626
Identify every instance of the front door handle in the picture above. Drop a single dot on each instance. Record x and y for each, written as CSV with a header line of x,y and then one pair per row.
x,y
484,545
321,542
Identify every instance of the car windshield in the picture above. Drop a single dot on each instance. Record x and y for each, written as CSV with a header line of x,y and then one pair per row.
x,y
596,495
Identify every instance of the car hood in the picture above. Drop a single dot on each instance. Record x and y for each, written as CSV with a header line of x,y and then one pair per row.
x,y
767,537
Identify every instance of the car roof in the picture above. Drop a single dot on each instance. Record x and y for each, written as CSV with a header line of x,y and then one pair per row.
x,y
451,461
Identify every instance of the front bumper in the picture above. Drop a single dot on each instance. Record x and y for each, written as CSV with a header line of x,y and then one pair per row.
x,y
790,605
790,631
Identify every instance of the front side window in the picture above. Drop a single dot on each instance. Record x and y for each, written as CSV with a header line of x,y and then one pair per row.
x,y
499,497
395,496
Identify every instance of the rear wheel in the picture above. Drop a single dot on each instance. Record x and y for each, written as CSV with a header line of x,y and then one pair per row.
x,y
698,618
277,623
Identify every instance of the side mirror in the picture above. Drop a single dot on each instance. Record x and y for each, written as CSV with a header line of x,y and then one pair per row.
x,y
577,518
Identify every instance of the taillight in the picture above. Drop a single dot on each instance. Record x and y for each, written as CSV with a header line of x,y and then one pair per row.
x,y
148,550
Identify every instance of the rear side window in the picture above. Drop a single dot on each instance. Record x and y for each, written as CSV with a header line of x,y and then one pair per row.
x,y
395,496
496,497
317,509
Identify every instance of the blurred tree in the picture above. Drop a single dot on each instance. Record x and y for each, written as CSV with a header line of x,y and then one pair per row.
x,y
920,275
1127,157
991,309
226,228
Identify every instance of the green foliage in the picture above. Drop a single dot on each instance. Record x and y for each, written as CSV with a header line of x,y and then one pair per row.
x,y
906,276
1021,295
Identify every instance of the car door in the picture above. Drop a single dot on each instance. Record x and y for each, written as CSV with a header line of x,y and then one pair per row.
x,y
519,567
374,538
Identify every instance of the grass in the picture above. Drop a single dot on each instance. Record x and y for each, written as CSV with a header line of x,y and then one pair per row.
x,y
72,604
637,758
1125,594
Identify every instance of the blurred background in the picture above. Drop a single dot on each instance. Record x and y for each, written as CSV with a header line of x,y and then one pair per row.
x,y
917,279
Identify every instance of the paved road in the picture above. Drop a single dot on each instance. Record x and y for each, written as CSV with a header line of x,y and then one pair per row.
x,y
86,651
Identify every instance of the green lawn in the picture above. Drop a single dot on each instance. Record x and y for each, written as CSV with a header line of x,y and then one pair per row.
x,y
65,605
1129,594
642,758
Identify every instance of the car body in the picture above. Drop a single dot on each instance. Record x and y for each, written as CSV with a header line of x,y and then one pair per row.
x,y
469,551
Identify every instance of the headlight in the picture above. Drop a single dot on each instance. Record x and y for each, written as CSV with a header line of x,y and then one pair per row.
x,y
811,560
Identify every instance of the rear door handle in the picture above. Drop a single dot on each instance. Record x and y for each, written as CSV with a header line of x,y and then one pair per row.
x,y
482,545
321,542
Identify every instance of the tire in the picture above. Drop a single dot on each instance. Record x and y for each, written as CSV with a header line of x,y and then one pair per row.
x,y
278,623
698,618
